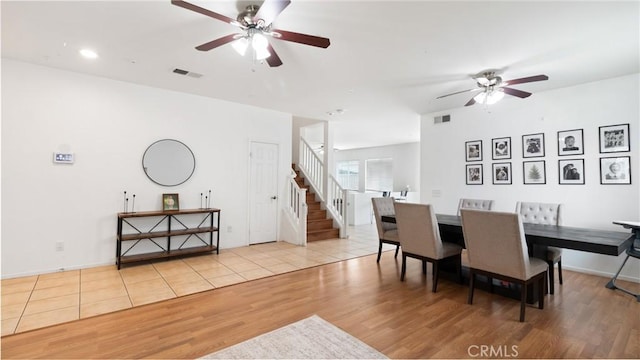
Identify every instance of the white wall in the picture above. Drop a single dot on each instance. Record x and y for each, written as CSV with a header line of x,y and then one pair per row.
x,y
406,163
108,125
588,106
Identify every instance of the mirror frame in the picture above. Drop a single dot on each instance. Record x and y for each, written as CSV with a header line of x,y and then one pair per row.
x,y
163,182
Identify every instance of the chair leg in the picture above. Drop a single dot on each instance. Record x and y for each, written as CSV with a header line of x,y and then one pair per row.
x,y
459,269
551,281
424,267
397,249
436,270
490,280
523,300
379,251
472,283
560,271
542,285
404,266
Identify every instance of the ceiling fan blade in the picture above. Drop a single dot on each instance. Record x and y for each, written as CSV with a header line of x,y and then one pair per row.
x,y
270,9
459,92
515,92
198,9
526,80
217,42
273,60
301,38
470,102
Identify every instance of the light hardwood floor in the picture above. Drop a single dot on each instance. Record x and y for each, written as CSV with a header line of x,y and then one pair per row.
x,y
400,319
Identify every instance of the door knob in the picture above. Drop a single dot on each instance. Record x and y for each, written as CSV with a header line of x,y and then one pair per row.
x,y
274,197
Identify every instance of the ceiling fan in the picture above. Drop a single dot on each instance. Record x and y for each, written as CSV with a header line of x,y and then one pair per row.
x,y
493,87
256,23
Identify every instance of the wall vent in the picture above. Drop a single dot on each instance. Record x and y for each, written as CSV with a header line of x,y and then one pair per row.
x,y
188,73
441,119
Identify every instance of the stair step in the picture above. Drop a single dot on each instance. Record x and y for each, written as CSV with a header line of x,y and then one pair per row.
x,y
316,215
315,235
314,206
320,224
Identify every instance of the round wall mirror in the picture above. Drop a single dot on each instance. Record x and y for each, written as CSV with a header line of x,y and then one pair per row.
x,y
168,162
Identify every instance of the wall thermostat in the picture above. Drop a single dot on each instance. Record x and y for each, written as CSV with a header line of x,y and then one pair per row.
x,y
63,158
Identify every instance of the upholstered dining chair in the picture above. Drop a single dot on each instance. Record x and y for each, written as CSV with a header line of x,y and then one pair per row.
x,y
420,239
475,204
548,214
497,248
387,232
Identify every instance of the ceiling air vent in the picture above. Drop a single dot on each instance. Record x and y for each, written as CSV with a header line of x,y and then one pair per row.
x,y
441,119
188,73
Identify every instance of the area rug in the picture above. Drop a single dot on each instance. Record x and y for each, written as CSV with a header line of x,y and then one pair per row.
x,y
311,338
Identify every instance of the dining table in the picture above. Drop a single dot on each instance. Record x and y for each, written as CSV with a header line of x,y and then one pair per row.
x,y
538,236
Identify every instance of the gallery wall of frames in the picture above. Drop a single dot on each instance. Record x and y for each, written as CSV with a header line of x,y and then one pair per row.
x,y
614,150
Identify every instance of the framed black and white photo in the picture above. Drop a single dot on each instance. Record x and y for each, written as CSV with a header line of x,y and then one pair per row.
x,y
474,174
501,173
501,148
571,172
614,138
615,170
570,142
533,145
534,172
473,150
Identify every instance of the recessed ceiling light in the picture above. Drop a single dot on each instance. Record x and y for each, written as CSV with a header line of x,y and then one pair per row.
x,y
89,54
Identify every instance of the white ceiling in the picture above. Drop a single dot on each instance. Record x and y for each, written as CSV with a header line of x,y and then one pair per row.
x,y
387,62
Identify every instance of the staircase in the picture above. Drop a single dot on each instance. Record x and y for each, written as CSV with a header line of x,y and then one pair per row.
x,y
318,226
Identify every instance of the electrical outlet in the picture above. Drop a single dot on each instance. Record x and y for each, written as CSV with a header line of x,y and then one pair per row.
x,y
59,246
436,193
229,229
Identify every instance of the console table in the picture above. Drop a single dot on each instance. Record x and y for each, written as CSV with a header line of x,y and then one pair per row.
x,y
175,233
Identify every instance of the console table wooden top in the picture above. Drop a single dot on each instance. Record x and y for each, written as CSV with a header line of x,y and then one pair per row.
x,y
165,212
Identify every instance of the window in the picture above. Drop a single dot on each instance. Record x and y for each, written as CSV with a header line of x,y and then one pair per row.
x,y
379,175
348,174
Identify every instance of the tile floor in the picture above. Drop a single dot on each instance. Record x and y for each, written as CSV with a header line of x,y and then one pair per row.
x,y
42,300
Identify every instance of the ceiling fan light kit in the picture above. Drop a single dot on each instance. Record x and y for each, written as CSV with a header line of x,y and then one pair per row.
x,y
489,97
256,22
493,88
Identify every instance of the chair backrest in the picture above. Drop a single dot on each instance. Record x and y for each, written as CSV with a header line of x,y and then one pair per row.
x,y
495,242
540,213
418,230
475,204
383,206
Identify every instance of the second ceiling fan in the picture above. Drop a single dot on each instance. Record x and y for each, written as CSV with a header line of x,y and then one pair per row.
x,y
493,87
256,21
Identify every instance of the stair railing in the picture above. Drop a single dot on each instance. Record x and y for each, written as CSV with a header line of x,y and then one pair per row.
x,y
335,201
312,167
337,206
297,208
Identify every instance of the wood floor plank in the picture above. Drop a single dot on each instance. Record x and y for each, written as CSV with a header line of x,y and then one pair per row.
x,y
364,298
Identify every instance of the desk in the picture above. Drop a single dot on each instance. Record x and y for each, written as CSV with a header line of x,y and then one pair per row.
x,y
590,240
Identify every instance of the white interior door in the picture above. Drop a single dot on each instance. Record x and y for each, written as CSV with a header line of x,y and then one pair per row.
x,y
263,195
